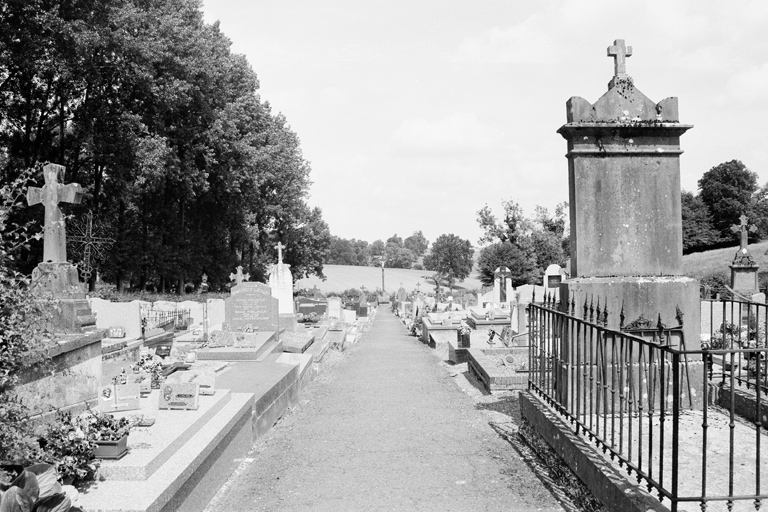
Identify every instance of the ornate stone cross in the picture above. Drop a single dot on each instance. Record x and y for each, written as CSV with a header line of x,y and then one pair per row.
x,y
53,193
239,277
744,228
279,248
619,51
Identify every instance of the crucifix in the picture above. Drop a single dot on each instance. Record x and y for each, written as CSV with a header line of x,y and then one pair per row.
x,y
51,194
279,248
744,228
619,51
88,241
501,274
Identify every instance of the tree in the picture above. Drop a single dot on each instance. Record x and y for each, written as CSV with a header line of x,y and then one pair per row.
x,y
397,256
506,254
416,243
451,257
698,232
728,190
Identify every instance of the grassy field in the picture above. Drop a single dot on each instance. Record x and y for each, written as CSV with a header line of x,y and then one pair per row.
x,y
701,263
343,277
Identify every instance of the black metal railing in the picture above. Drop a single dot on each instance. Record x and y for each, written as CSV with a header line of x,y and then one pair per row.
x,y
175,320
635,396
730,324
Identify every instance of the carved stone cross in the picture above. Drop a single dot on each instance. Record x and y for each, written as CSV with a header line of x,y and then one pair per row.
x,y
53,193
279,248
744,228
239,277
619,51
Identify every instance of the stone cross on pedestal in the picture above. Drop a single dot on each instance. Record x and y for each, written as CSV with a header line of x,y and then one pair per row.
x,y
239,277
619,51
279,248
53,193
744,228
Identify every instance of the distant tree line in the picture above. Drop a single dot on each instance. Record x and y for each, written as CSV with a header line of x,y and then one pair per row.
x,y
394,253
725,193
156,118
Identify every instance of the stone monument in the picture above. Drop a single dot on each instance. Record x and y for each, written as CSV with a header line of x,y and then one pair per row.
x,y
625,212
503,293
281,283
55,277
743,268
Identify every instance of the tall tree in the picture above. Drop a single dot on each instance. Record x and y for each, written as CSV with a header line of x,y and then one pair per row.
x,y
698,232
506,254
416,243
728,191
451,257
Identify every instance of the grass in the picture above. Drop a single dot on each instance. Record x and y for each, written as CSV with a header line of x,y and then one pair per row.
x,y
343,277
701,263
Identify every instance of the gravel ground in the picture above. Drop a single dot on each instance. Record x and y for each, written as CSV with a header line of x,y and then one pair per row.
x,y
390,425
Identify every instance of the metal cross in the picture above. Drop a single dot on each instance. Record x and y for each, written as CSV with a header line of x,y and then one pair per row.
x,y
619,51
743,227
89,241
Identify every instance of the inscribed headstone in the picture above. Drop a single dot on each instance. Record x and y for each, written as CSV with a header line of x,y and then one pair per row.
x,y
334,307
251,305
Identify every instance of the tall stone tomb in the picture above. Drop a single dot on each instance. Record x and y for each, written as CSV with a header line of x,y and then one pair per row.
x,y
281,283
624,190
744,268
55,277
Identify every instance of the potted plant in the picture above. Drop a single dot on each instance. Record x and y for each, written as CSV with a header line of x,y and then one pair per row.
x,y
111,435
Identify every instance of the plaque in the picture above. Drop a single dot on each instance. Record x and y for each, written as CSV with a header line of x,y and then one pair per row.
x,y
179,395
119,397
205,378
554,281
163,351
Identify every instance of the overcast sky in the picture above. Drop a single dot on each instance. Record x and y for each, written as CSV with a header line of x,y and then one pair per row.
x,y
414,114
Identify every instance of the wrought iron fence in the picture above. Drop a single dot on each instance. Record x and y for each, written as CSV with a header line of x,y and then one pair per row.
x,y
176,320
635,396
736,324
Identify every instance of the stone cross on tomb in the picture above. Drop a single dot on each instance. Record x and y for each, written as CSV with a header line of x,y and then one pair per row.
x,y
53,193
279,248
619,51
744,228
239,277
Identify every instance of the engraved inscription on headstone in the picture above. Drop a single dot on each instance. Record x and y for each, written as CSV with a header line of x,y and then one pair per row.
x,y
251,304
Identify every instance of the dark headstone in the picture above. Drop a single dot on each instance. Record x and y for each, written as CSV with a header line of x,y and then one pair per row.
x,y
251,306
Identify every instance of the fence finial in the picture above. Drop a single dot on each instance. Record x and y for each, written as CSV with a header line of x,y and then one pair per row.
x,y
605,313
599,312
621,316
679,315
591,308
573,305
586,308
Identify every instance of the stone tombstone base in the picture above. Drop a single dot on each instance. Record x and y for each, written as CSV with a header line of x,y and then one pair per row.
x,y
74,381
288,322
744,279
646,296
57,280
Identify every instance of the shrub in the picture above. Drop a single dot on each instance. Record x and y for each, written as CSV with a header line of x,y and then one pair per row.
x,y
714,283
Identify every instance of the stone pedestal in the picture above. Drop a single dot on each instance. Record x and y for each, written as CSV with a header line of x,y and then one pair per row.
x,y
60,282
744,279
648,297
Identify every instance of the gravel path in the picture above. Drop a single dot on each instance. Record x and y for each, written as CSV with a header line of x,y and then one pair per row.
x,y
385,427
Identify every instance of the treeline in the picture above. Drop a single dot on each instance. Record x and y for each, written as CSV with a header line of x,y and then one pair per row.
x,y
149,110
726,192
395,252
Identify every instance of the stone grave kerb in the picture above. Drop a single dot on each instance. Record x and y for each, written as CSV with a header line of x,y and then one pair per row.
x,y
625,207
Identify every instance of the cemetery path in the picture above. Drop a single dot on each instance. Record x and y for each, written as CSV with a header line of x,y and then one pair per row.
x,y
385,428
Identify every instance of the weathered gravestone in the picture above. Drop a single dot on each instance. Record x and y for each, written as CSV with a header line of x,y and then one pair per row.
x,y
625,207
251,307
362,308
553,276
743,268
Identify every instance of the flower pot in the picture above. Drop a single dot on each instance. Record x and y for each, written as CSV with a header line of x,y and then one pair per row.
x,y
111,449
